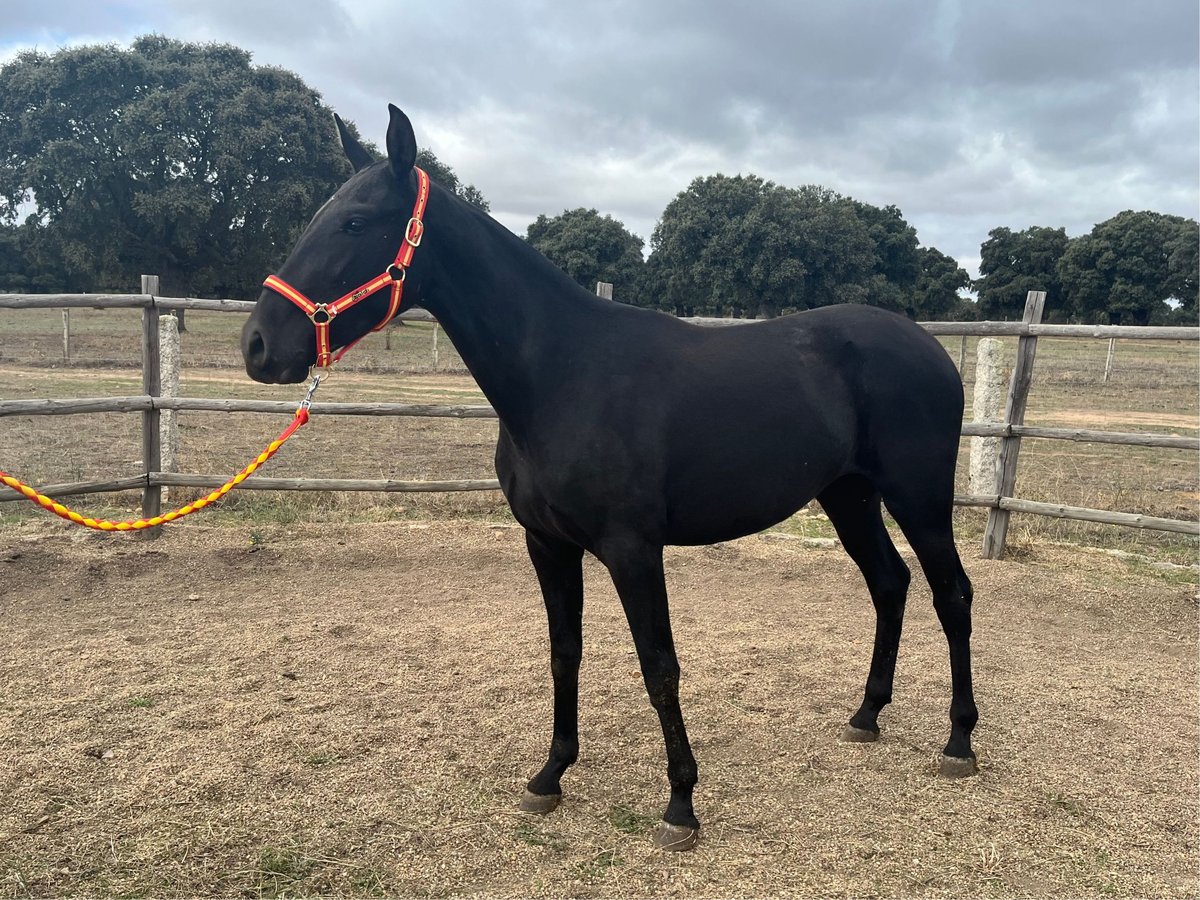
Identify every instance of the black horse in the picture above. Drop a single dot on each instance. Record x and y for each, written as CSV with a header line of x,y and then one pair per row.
x,y
623,430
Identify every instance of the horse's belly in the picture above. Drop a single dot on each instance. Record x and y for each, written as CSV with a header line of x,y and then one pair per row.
x,y
723,511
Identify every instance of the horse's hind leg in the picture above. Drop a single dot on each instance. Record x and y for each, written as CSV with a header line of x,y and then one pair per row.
x,y
853,506
559,568
926,522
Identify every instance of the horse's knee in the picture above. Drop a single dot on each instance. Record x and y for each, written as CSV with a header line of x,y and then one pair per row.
x,y
895,581
965,590
953,608
662,685
565,664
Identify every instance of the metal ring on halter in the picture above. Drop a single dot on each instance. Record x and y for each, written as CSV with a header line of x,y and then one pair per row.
x,y
393,269
322,308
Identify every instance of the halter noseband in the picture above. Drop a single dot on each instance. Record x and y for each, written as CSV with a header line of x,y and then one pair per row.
x,y
321,314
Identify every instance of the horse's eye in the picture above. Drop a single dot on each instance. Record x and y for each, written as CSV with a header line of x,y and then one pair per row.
x,y
355,226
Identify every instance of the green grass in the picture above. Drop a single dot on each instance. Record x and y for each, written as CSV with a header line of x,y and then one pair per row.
x,y
1058,802
1183,576
599,866
322,758
369,883
279,873
527,834
628,821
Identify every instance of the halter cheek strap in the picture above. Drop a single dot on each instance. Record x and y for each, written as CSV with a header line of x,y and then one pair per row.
x,y
321,314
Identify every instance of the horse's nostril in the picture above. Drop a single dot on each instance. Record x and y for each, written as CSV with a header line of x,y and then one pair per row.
x,y
255,349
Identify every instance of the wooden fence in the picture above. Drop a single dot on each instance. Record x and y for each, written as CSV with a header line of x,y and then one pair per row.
x,y
150,404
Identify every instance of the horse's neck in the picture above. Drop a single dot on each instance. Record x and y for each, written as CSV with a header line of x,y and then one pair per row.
x,y
516,320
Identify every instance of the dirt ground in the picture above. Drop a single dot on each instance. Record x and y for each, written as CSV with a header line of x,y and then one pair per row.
x,y
282,711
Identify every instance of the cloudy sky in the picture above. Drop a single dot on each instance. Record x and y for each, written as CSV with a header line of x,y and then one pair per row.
x,y
967,114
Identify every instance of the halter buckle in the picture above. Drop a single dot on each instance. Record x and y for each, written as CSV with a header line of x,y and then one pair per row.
x,y
414,232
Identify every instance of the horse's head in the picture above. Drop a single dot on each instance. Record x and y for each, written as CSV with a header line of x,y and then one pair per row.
x,y
350,244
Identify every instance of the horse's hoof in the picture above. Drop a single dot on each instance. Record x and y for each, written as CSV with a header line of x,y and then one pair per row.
x,y
852,735
958,767
675,837
539,803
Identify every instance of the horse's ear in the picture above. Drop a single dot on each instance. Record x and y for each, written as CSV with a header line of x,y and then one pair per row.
x,y
401,143
355,152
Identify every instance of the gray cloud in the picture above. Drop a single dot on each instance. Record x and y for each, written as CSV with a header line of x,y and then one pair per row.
x,y
967,114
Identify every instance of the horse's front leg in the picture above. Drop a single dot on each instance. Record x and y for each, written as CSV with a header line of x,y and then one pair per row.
x,y
637,572
559,568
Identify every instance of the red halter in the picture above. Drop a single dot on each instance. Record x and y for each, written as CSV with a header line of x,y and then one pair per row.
x,y
321,314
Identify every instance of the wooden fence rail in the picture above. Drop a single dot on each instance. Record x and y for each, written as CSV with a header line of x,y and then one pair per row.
x,y
199,404
149,405
144,402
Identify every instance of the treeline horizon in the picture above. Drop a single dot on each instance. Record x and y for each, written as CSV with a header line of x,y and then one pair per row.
x,y
187,161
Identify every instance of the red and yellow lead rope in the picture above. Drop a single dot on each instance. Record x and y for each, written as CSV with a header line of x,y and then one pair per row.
x,y
105,525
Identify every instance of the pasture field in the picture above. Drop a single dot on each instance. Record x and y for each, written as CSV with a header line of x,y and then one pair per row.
x,y
315,694
1155,387
293,710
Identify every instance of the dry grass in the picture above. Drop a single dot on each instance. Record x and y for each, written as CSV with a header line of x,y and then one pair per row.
x,y
285,711
243,709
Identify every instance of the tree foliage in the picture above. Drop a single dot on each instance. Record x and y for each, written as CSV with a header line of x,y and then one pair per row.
x,y
937,294
590,248
1012,263
174,158
14,269
744,245
692,259
896,268
1128,268
445,176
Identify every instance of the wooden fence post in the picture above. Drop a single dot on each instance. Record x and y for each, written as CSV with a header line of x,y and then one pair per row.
x,y
67,336
152,386
996,532
604,289
962,353
1108,362
435,345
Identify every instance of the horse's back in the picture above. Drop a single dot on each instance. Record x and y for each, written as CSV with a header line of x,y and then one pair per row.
x,y
838,366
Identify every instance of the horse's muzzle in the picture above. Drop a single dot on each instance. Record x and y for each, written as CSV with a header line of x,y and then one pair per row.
x,y
264,366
